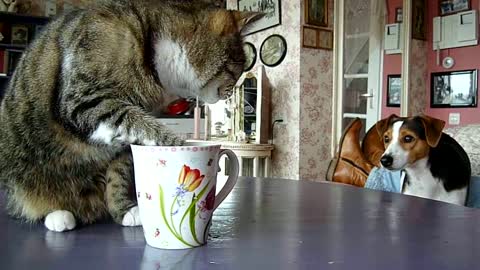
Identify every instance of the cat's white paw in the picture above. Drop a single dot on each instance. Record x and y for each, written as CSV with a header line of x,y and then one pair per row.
x,y
132,217
60,221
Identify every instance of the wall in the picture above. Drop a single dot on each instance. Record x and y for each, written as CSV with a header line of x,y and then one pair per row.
x,y
302,95
465,58
316,82
392,63
285,80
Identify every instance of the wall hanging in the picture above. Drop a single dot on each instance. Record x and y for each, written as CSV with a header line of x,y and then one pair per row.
x,y
250,54
453,6
454,89
316,12
394,90
273,50
271,8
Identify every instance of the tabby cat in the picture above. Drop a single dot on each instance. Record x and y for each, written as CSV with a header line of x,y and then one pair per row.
x,y
84,91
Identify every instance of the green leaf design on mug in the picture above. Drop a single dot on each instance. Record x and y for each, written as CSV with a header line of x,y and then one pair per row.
x,y
192,205
162,210
192,225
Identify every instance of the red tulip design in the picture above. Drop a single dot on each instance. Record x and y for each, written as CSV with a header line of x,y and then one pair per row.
x,y
190,179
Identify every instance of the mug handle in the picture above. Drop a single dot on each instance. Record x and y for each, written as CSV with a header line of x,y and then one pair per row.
x,y
232,178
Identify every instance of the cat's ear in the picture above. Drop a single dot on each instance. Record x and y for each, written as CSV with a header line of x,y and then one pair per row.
x,y
245,18
226,22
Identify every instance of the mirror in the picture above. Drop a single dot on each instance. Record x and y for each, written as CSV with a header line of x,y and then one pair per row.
x,y
245,116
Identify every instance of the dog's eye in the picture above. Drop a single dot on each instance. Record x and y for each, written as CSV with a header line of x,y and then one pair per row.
x,y
408,139
386,139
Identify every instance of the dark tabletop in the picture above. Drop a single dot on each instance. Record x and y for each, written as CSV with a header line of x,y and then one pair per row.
x,y
272,224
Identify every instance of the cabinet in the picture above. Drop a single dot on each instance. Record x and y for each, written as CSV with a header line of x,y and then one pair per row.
x,y
16,32
246,116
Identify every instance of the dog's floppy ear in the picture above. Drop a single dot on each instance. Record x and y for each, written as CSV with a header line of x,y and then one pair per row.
x,y
382,125
433,129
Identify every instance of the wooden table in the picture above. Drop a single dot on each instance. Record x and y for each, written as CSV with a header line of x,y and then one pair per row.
x,y
272,224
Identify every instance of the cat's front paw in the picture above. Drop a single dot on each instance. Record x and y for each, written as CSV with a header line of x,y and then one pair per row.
x,y
172,141
132,217
60,221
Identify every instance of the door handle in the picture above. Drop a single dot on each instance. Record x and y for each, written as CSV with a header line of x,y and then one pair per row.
x,y
367,95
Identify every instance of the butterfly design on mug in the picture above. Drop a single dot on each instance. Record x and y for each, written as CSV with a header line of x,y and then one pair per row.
x,y
162,163
157,233
210,162
138,194
148,196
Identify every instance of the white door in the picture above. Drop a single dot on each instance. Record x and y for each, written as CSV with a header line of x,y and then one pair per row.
x,y
359,62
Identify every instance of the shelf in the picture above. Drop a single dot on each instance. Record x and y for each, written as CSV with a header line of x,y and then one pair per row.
x,y
5,76
12,46
22,18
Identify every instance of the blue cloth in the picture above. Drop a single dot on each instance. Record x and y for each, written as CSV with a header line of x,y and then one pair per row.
x,y
385,180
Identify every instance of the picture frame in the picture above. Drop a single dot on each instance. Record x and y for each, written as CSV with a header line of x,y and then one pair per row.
x,y
316,12
394,90
317,38
325,39
419,26
272,18
447,7
273,50
19,35
310,37
250,54
399,15
455,89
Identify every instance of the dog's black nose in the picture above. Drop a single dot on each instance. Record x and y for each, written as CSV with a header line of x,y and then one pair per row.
x,y
386,161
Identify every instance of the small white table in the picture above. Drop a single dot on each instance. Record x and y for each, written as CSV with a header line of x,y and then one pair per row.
x,y
246,151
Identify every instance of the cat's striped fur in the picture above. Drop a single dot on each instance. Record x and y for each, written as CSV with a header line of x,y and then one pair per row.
x,y
83,91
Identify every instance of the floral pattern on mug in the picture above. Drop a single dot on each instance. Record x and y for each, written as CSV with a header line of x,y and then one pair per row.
x,y
189,180
207,204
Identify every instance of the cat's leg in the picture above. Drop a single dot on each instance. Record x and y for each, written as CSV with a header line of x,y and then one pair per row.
x,y
120,198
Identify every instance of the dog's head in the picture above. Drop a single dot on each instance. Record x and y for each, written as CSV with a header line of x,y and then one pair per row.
x,y
407,140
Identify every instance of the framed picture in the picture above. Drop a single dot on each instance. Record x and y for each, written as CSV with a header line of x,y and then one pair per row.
x,y
394,90
19,35
453,6
316,12
399,15
454,89
250,54
272,11
418,20
273,50
325,39
310,37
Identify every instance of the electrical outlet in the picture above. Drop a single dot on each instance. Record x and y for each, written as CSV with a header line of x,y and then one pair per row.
x,y
454,119
282,117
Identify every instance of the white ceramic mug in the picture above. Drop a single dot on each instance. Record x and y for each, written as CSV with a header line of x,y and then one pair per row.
x,y
175,188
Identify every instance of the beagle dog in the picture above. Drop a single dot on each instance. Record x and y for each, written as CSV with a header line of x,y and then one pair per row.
x,y
435,165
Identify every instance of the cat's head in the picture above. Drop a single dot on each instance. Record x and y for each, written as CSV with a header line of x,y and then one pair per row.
x,y
202,54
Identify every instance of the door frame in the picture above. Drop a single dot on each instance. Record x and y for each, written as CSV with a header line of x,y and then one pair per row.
x,y
338,78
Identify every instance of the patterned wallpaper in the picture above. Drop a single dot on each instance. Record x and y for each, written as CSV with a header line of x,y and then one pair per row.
x,y
303,95
316,79
285,81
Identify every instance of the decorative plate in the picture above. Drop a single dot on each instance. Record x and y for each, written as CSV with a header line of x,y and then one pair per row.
x,y
273,50
250,55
